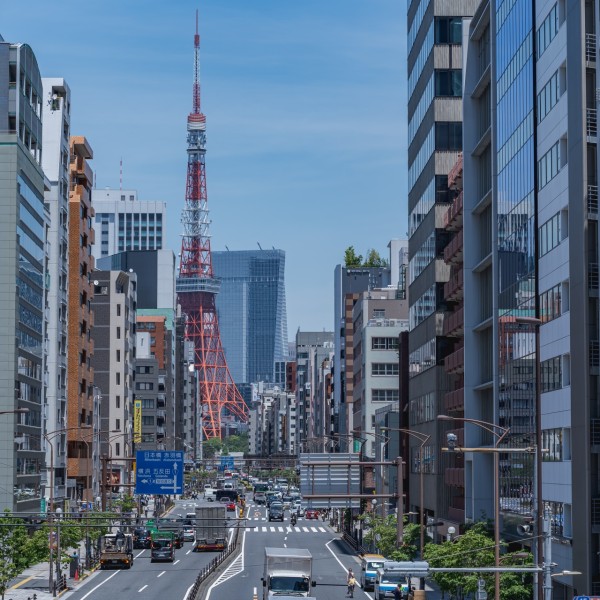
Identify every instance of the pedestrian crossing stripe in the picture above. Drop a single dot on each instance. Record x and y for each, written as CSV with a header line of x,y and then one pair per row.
x,y
272,529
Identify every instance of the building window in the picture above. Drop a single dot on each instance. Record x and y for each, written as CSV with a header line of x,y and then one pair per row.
x,y
448,135
118,449
448,30
118,356
550,304
383,395
550,234
384,343
118,401
548,30
549,165
144,385
118,310
144,370
551,374
379,313
384,369
148,403
448,82
147,420
118,333
118,378
118,424
552,440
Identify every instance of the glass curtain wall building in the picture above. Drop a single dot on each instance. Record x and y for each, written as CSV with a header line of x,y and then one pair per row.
x,y
252,313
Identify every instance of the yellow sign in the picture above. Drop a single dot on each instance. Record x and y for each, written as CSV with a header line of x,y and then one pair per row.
x,y
137,421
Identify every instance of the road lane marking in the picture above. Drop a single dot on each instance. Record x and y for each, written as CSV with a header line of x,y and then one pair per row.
x,y
143,588
264,529
187,552
280,529
138,555
161,574
342,565
238,565
306,529
101,583
176,561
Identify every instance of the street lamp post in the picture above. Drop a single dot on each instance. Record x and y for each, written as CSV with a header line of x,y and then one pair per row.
x,y
424,438
499,433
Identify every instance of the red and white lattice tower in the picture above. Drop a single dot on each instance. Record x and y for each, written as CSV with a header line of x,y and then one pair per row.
x,y
197,286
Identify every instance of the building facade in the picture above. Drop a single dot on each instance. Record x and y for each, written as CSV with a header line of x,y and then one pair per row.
x,y
114,306
24,261
435,139
252,313
125,223
80,374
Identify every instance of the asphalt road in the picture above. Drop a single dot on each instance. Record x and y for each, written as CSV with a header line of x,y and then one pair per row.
x,y
146,580
331,558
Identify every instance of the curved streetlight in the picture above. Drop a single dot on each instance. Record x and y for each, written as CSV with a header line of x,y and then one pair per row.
x,y
499,433
423,438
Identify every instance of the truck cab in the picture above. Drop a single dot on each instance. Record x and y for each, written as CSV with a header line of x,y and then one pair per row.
x,y
386,581
116,550
369,564
288,572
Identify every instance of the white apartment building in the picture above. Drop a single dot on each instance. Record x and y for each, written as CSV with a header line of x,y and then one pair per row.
x,y
123,222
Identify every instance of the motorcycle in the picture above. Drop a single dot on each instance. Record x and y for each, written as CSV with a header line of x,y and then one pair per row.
x,y
293,520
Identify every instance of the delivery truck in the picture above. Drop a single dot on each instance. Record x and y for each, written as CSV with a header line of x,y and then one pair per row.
x,y
211,528
116,550
288,571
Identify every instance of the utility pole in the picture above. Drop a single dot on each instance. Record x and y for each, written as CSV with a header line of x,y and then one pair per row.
x,y
103,483
400,502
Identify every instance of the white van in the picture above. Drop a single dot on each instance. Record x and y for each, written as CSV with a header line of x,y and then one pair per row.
x,y
228,485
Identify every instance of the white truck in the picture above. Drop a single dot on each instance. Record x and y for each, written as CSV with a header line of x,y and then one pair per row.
x,y
209,494
288,572
211,528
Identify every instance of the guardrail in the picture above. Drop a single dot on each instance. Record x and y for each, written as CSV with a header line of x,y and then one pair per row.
x,y
352,542
213,564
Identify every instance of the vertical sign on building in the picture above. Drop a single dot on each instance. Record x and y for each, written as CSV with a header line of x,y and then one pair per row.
x,y
137,421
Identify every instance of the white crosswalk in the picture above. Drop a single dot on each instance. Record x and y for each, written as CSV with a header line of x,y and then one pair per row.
x,y
273,529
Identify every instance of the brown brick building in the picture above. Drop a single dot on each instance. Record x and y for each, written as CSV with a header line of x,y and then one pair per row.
x,y
80,401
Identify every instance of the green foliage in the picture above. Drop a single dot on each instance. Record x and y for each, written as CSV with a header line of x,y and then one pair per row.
x,y
211,447
382,532
236,443
475,548
14,555
374,260
126,504
351,259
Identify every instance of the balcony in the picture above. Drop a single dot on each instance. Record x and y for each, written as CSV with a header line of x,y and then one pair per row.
x,y
455,477
593,278
590,47
453,288
455,362
454,323
592,201
594,358
161,400
454,401
595,433
453,252
591,122
161,414
456,174
453,219
160,431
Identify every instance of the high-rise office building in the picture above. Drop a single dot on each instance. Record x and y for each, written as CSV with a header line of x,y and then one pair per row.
x,y
252,313
531,271
435,139
125,223
23,261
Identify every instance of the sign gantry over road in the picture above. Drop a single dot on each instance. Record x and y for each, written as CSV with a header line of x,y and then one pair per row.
x,y
159,472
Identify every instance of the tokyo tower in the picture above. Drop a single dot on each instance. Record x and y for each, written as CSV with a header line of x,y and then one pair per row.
x,y
197,286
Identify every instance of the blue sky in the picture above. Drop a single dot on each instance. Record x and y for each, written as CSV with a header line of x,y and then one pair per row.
x,y
306,118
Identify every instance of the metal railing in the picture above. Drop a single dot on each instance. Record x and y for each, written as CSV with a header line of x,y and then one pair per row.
x,y
592,276
591,122
213,564
590,47
592,199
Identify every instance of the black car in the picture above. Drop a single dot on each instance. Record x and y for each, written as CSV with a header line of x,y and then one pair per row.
x,y
141,538
276,512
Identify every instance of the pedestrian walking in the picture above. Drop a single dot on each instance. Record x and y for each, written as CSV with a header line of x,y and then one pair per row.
x,y
398,592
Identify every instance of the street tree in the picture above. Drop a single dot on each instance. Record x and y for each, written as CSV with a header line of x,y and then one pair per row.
x,y
211,447
475,548
382,532
14,554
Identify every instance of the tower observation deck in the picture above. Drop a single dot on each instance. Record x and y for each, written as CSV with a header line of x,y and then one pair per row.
x,y
197,285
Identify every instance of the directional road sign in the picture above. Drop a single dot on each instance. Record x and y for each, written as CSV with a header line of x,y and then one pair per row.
x,y
226,463
159,472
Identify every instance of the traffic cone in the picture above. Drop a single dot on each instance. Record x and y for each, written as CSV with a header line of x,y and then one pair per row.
x,y
76,574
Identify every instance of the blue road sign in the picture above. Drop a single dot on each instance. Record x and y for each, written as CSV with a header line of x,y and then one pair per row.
x,y
226,463
159,472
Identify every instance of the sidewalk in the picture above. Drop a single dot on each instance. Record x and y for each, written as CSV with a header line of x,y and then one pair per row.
x,y
34,580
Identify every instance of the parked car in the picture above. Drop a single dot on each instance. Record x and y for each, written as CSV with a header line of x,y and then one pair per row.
x,y
311,513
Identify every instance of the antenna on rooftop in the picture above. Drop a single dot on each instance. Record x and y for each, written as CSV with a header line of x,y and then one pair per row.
x,y
121,174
